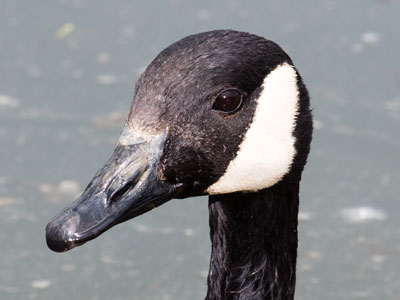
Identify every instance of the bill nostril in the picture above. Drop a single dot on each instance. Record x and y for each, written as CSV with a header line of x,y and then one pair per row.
x,y
117,194
120,185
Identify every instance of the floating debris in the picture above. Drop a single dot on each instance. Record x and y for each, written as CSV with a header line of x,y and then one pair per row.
x,y
314,255
304,216
314,280
67,267
363,294
305,267
65,190
175,1
128,31
69,187
378,259
41,284
370,38
142,228
7,101
4,180
65,30
33,71
394,105
9,289
386,178
204,15
357,48
109,259
113,120
106,79
103,57
318,124
167,230
77,74
244,14
367,38
362,214
188,232
204,273
4,201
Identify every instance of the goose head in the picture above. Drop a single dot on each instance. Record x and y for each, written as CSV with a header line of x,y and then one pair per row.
x,y
214,113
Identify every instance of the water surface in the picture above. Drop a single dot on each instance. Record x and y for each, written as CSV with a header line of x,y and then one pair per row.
x,y
67,73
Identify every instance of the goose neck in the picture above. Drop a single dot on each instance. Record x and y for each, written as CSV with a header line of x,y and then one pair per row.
x,y
254,244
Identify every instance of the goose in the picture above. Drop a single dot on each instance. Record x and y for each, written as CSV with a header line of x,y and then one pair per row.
x,y
221,113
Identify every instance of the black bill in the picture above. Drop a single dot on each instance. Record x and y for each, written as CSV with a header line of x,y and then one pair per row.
x,y
125,187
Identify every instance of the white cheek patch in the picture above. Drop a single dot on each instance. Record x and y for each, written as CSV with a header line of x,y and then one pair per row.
x,y
267,150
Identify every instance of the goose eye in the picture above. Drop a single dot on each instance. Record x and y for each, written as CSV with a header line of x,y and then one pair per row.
x,y
228,101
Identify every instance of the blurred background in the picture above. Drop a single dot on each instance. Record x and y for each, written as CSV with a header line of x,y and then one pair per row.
x,y
67,74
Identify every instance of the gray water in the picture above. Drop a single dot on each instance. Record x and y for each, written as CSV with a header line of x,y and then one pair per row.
x,y
67,72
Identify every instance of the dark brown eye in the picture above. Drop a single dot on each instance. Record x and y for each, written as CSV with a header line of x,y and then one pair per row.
x,y
228,101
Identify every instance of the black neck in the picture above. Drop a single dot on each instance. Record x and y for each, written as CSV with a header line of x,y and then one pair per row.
x,y
254,244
